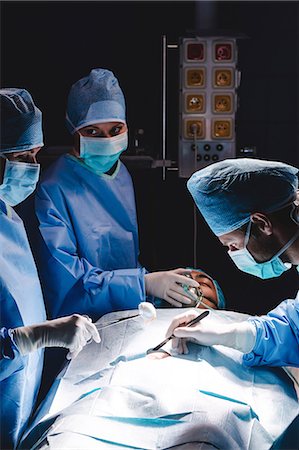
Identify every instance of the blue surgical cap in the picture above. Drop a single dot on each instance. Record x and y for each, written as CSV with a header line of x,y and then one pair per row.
x,y
96,98
21,121
227,192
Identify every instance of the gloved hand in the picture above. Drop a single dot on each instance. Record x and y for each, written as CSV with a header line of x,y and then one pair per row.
x,y
167,285
240,335
71,332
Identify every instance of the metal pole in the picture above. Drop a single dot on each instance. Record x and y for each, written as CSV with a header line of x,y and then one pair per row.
x,y
164,62
194,236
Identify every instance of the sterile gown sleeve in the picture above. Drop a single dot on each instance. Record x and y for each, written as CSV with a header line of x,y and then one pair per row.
x,y
8,352
277,339
11,363
21,304
10,359
79,242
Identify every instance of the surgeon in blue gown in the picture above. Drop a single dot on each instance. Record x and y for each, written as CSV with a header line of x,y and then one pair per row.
x,y
259,227
85,205
23,329
252,206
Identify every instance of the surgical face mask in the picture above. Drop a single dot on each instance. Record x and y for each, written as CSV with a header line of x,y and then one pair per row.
x,y
19,181
100,154
269,269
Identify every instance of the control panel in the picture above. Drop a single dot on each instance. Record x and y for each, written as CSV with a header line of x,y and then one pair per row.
x,y
208,101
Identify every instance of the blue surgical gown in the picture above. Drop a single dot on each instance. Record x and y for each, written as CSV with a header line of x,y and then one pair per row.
x,y
21,304
88,257
277,339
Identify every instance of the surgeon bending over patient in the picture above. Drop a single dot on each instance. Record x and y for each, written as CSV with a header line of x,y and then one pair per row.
x,y
24,331
252,207
85,206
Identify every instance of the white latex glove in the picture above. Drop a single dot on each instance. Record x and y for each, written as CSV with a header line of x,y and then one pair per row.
x,y
71,332
241,335
167,285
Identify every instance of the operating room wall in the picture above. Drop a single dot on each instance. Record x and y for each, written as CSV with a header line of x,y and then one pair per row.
x,y
46,46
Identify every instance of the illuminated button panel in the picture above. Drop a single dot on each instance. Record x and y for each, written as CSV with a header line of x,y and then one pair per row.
x,y
208,101
195,103
195,77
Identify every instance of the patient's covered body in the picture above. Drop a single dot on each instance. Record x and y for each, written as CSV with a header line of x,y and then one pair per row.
x,y
114,396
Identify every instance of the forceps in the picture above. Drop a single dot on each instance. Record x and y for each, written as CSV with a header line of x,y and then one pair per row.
x,y
114,322
189,324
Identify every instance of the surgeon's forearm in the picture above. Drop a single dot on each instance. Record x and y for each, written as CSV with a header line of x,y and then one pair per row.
x,y
127,287
240,336
27,339
277,339
98,293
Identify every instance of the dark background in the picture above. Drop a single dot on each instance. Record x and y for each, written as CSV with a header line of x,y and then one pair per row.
x,y
47,46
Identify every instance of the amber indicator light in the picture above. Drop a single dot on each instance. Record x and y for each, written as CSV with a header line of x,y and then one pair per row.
x,y
222,104
195,103
222,129
223,78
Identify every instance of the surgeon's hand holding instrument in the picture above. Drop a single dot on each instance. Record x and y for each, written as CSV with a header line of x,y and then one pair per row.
x,y
240,336
72,332
167,285
189,324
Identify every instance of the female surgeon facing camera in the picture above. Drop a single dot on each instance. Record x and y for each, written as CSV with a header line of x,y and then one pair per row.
x,y
85,206
24,332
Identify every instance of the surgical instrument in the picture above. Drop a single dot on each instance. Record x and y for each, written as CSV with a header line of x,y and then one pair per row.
x,y
146,310
114,322
189,324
